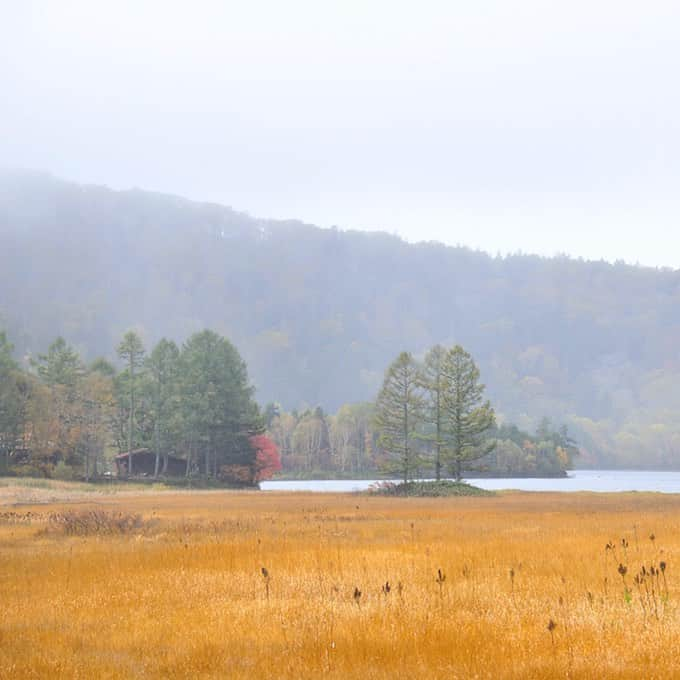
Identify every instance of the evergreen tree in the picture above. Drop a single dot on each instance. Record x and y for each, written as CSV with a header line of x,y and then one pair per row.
x,y
432,380
398,414
62,414
218,410
9,402
467,419
131,350
60,366
162,390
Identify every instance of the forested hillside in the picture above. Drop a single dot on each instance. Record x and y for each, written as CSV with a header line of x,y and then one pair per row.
x,y
318,314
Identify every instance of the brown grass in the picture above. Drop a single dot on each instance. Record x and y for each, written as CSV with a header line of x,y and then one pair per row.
x,y
269,585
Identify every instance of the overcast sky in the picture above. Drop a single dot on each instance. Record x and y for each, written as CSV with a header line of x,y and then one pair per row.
x,y
548,127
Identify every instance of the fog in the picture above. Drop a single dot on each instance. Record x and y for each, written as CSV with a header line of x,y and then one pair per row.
x,y
530,126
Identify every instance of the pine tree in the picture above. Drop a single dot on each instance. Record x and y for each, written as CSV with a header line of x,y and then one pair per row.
x,y
398,414
162,389
432,381
131,350
9,402
466,418
219,413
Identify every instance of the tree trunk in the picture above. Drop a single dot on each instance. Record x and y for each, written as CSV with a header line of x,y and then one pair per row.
x,y
157,447
406,451
132,413
438,458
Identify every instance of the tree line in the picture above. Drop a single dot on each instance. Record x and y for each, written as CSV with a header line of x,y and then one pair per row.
x,y
319,313
429,419
192,404
193,407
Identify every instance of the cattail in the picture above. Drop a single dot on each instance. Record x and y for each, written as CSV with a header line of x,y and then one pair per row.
x,y
265,575
441,577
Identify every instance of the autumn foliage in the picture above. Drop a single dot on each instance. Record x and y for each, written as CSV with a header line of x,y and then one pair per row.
x,y
267,459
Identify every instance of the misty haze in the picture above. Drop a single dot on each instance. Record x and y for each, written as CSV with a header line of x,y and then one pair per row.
x,y
339,339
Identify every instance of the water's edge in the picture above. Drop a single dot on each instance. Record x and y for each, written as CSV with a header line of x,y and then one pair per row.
x,y
606,481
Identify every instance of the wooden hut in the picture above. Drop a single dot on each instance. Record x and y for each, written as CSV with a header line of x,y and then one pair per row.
x,y
144,464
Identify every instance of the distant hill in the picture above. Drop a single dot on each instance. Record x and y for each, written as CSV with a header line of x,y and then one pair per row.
x,y
318,314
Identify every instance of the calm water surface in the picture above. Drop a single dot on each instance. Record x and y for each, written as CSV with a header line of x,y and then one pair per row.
x,y
578,480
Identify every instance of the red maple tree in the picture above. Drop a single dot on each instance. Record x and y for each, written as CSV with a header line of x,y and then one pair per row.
x,y
267,459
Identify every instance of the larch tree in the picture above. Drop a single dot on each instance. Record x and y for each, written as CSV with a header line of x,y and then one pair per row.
x,y
398,414
466,418
9,402
432,380
60,366
131,350
162,388
62,373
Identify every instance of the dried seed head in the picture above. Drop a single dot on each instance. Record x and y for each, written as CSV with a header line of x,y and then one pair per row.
x,y
662,566
265,573
623,570
357,594
551,625
652,537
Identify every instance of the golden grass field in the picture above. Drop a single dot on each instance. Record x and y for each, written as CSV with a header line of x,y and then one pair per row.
x,y
183,594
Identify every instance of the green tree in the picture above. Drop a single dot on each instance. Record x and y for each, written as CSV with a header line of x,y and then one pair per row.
x,y
95,416
60,366
398,414
10,401
467,420
432,380
219,413
162,388
60,418
131,350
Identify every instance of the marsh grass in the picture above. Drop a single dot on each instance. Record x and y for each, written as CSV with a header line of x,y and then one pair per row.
x,y
246,585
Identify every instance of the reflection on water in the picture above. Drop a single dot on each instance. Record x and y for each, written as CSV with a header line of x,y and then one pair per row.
x,y
578,480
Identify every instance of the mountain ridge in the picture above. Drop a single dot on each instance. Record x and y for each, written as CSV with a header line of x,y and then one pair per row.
x,y
319,313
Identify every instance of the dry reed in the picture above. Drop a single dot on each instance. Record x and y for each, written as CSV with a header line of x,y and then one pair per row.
x,y
249,585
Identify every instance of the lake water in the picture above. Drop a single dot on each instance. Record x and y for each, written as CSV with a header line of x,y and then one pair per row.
x,y
578,480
